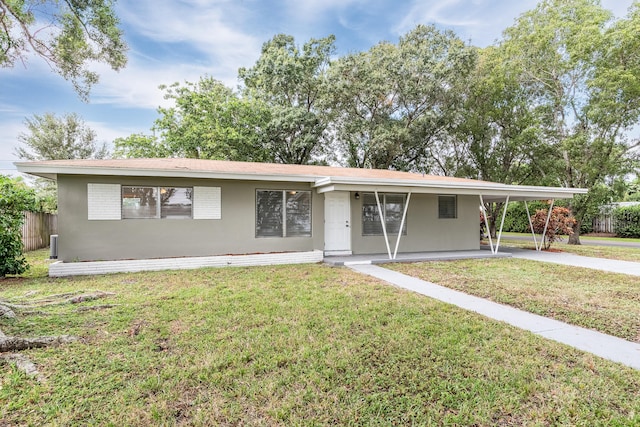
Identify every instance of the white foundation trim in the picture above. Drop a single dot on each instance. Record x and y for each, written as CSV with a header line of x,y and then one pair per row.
x,y
60,269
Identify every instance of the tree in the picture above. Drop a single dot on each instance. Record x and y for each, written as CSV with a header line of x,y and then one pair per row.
x,y
393,104
560,222
561,52
51,137
497,136
139,146
15,198
290,81
208,121
69,35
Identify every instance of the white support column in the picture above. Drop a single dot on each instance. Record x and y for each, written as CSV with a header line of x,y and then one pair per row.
x,y
404,216
546,224
504,213
384,227
486,223
535,241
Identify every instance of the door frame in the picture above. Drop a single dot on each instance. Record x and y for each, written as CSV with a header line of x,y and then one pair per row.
x,y
328,214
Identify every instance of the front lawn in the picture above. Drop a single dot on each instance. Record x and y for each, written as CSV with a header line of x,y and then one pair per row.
x,y
607,302
585,249
295,345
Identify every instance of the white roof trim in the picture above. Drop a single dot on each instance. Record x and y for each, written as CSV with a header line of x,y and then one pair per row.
x,y
51,172
491,190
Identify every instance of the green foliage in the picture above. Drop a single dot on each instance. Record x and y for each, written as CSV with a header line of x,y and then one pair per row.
x,y
291,81
516,219
208,121
393,105
627,221
15,198
50,137
69,35
139,146
565,54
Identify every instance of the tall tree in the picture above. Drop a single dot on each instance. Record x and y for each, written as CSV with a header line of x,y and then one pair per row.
x,y
50,137
557,50
290,80
69,35
139,145
393,103
497,137
208,120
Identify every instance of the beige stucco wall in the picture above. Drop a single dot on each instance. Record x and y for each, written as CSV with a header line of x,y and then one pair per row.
x,y
425,231
81,240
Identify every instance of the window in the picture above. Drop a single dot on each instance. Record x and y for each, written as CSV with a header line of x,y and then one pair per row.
x,y
156,202
283,213
175,202
447,207
392,206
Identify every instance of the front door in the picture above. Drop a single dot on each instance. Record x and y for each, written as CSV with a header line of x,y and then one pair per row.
x,y
337,223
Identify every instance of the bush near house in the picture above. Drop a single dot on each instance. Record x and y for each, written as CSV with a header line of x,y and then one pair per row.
x,y
560,222
627,221
516,219
15,198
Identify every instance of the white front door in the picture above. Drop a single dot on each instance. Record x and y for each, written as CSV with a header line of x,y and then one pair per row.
x,y
337,223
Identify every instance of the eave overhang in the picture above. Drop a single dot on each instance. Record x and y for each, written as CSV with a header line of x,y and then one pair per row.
x,y
52,172
492,192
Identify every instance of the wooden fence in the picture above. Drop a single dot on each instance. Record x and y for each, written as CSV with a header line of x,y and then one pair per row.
x,y
604,223
37,228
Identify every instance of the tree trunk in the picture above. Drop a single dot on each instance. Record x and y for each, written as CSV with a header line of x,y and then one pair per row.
x,y
493,210
18,343
574,239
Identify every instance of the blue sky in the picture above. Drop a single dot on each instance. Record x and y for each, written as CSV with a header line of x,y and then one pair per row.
x,y
182,40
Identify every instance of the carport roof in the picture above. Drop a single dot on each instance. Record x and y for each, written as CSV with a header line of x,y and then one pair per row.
x,y
323,178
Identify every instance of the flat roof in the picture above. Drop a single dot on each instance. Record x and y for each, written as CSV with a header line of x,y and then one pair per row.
x,y
323,178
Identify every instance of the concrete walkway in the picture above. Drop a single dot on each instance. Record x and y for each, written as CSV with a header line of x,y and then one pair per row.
x,y
606,346
565,258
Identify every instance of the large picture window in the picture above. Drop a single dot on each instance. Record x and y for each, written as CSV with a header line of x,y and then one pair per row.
x,y
447,207
283,213
392,206
156,202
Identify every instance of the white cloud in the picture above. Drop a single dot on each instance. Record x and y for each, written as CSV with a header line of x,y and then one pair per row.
x,y
206,41
481,21
203,25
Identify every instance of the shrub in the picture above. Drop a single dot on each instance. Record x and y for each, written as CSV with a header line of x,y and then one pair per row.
x,y
560,222
15,198
516,219
627,221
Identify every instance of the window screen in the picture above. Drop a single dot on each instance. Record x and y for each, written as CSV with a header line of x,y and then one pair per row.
x,y
447,207
392,206
283,213
156,202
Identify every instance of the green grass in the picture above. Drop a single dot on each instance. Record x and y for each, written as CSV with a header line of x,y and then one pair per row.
x,y
295,345
608,252
585,238
607,302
